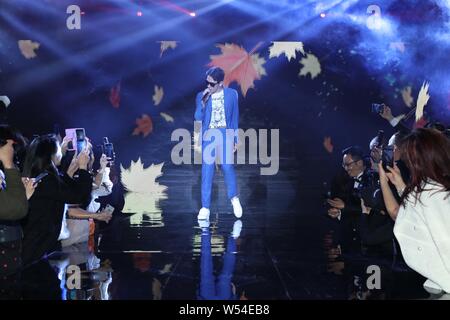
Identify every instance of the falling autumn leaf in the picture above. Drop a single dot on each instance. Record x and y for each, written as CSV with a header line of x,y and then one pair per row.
x,y
407,97
28,47
422,100
239,65
328,145
5,100
114,96
288,48
144,126
311,65
166,117
167,45
158,95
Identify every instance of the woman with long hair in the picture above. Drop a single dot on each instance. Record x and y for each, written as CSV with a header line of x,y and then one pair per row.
x,y
46,207
422,218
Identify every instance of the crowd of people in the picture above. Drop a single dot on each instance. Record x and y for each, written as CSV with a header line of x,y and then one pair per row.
x,y
49,194
393,205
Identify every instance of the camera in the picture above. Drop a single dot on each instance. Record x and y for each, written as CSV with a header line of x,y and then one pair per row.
x,y
370,191
377,108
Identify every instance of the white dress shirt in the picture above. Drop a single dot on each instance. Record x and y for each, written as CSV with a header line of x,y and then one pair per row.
x,y
422,229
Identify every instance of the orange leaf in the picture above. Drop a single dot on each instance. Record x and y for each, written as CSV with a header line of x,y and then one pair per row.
x,y
114,96
328,145
144,126
239,65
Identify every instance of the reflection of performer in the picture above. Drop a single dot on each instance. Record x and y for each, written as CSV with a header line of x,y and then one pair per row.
x,y
222,288
217,108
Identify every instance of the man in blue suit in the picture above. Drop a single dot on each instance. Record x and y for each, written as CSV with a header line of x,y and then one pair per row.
x,y
218,110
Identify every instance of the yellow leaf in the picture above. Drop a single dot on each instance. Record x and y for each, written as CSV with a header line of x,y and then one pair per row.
x,y
167,45
28,47
158,95
407,97
422,100
311,65
166,117
288,48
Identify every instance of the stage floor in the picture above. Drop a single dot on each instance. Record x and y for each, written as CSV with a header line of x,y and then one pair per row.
x,y
286,249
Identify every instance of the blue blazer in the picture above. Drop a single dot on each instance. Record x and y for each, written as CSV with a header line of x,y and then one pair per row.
x,y
203,114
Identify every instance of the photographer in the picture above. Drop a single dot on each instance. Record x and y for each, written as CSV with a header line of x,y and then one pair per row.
x,y
422,220
345,203
14,203
42,226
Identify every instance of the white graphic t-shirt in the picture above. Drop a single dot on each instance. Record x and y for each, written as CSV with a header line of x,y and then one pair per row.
x,y
218,111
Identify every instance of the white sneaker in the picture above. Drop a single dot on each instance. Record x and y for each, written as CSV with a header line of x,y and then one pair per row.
x,y
237,208
203,214
237,227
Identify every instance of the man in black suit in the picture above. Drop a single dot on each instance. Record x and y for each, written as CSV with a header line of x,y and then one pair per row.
x,y
344,202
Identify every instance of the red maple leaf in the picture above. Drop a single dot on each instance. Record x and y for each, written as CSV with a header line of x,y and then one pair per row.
x,y
239,65
144,126
328,145
114,95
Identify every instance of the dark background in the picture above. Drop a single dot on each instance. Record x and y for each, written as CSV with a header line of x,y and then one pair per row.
x,y
70,79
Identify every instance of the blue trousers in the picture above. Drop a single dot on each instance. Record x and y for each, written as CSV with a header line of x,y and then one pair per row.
x,y
217,146
211,287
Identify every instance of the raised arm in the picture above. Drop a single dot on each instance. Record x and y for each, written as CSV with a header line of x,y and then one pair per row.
x,y
199,109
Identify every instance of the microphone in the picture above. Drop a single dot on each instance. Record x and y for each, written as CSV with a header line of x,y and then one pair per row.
x,y
205,96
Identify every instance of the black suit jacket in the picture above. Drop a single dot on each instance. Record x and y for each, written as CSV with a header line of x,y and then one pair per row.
x,y
42,225
342,187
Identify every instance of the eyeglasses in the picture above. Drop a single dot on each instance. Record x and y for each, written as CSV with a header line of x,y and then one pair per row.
x,y
348,165
212,84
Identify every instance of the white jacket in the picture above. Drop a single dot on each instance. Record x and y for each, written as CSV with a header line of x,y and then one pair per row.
x,y
422,229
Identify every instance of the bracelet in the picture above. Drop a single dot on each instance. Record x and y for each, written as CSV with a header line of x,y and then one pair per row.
x,y
400,192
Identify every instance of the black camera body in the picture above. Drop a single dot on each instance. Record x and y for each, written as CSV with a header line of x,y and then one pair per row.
x,y
369,191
